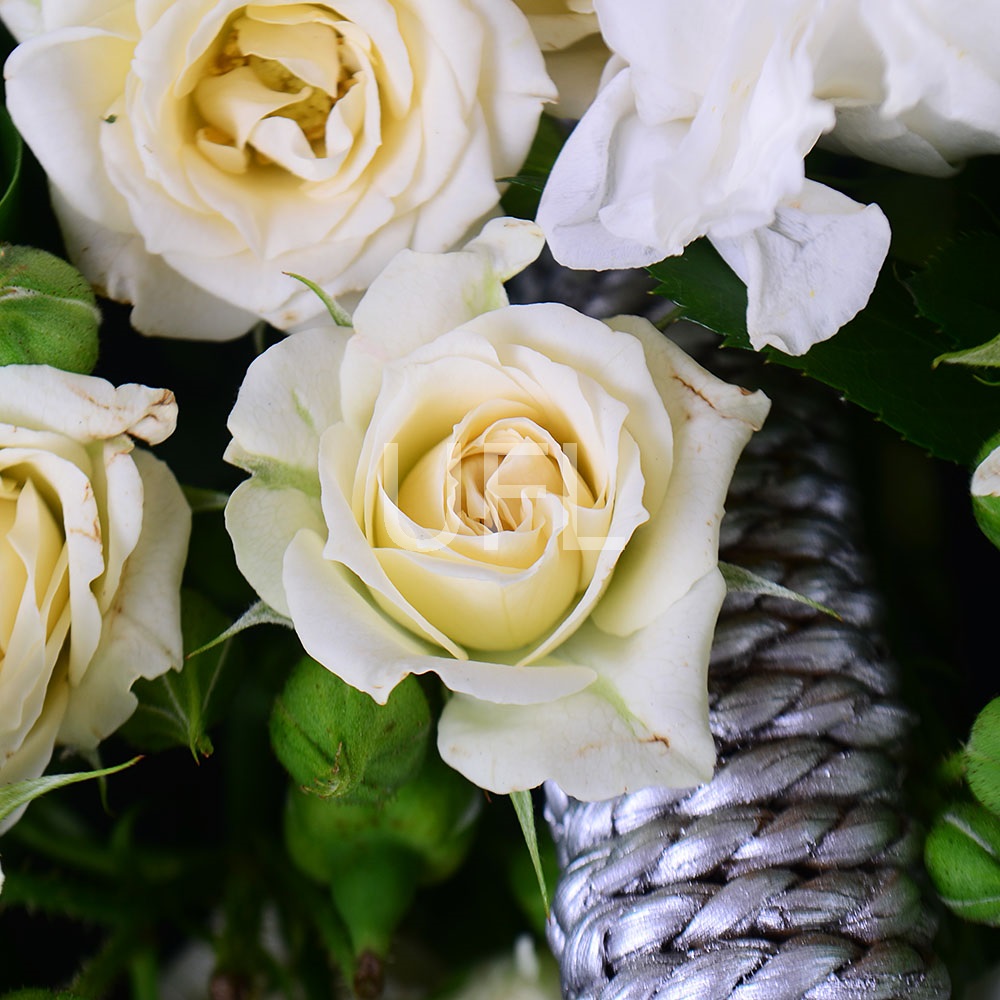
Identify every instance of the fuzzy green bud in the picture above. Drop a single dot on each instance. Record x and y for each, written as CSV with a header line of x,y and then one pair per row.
x,y
962,855
48,313
982,757
373,855
338,742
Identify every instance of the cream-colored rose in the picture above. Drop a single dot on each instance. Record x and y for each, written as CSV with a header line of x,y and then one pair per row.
x,y
197,151
575,54
521,499
93,536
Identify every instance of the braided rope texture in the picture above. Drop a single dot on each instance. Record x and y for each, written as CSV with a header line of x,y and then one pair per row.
x,y
786,876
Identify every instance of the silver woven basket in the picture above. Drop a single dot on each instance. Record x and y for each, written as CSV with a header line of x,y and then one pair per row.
x,y
788,876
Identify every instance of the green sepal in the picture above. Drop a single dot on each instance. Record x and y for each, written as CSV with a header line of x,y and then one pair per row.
x,y
339,315
258,613
962,855
19,793
982,757
338,742
48,313
740,580
525,810
178,707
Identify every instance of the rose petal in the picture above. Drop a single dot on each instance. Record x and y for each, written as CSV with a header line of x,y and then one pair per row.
x,y
811,271
141,634
437,292
261,521
58,102
83,407
289,396
339,628
643,722
712,422
30,757
165,301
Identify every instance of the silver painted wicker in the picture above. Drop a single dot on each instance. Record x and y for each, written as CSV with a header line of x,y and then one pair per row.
x,y
787,877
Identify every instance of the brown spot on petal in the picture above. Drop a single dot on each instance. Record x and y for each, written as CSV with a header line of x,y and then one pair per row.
x,y
707,401
657,739
691,388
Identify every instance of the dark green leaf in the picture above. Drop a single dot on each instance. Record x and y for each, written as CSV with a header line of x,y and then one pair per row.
x,y
883,360
521,198
959,292
707,290
176,708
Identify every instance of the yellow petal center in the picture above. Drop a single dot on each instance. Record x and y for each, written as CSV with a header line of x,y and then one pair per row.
x,y
295,67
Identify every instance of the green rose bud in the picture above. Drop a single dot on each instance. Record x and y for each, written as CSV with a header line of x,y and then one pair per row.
x,y
982,757
373,855
48,314
337,742
962,855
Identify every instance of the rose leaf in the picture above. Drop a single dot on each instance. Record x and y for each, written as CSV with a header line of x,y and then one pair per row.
x,y
178,707
521,197
883,360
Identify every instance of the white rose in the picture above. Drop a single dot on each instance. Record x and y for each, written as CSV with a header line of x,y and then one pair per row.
x,y
93,536
575,54
198,150
701,127
521,499
921,89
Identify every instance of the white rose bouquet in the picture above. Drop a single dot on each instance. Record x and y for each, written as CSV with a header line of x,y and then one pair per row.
x,y
447,545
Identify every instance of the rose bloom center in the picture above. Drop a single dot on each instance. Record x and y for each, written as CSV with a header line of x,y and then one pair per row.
x,y
264,65
34,573
482,537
